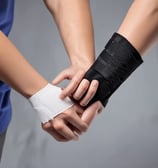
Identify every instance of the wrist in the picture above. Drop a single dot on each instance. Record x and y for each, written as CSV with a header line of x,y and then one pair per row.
x,y
82,64
32,89
47,104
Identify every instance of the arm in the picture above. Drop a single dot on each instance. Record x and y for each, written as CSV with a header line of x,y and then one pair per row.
x,y
20,75
16,71
73,19
74,22
140,28
140,25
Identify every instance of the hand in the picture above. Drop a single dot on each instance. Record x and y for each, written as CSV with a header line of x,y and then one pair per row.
x,y
78,88
72,123
65,125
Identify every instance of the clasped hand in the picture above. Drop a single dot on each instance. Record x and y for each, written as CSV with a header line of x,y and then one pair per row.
x,y
70,124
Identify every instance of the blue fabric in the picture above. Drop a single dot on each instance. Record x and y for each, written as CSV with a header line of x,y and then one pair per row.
x,y
6,21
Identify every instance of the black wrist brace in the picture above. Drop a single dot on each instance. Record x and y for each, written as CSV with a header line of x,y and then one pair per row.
x,y
113,66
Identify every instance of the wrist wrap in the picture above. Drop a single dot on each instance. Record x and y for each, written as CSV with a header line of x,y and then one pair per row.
x,y
47,103
113,66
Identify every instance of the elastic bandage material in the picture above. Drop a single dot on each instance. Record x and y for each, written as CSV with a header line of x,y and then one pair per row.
x,y
47,103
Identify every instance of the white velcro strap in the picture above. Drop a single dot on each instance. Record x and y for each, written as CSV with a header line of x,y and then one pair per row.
x,y
48,104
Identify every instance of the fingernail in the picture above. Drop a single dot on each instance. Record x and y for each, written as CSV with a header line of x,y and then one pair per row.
x,y
94,83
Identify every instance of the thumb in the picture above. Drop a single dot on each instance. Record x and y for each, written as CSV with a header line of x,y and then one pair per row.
x,y
59,78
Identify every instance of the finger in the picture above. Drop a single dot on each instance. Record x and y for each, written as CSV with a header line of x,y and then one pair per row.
x,y
78,109
50,130
90,113
91,92
61,128
100,107
72,85
74,129
46,125
75,120
81,90
57,136
60,77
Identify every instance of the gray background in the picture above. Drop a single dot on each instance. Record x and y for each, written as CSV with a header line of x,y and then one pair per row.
x,y
125,134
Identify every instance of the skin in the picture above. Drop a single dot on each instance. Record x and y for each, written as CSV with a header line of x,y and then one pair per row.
x,y
78,41
80,51
77,34
20,75
139,27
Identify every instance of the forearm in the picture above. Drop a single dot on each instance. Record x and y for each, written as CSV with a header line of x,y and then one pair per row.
x,y
140,25
122,54
16,71
73,18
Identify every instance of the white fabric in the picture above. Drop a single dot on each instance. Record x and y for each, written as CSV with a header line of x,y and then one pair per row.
x,y
48,104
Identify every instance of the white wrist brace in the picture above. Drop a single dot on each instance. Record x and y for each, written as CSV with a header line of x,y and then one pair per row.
x,y
48,104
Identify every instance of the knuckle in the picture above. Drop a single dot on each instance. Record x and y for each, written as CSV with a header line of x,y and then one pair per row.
x,y
58,125
68,114
81,72
75,80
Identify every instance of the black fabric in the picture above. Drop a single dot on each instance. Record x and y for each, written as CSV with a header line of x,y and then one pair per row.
x,y
113,66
